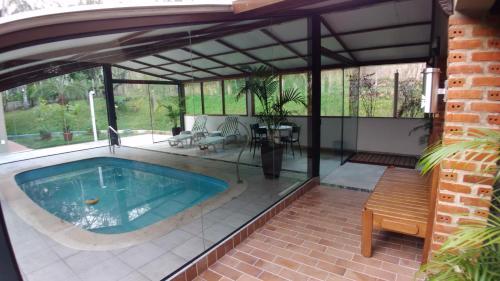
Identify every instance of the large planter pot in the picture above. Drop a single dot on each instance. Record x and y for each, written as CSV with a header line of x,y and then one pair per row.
x,y
68,136
272,158
176,131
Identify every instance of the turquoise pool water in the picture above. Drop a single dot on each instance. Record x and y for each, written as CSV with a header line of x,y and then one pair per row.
x,y
131,194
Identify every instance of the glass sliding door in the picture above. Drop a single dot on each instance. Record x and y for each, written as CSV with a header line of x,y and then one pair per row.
x,y
164,108
350,113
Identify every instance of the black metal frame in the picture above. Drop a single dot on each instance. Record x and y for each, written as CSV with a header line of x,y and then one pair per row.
x,y
110,103
314,121
314,118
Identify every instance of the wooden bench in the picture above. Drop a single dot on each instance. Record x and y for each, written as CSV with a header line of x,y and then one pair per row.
x,y
402,201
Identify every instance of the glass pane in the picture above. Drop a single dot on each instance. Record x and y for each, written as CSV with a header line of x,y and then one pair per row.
x,y
258,105
212,97
376,97
299,83
234,106
133,113
192,92
410,90
55,111
350,119
165,112
120,73
331,92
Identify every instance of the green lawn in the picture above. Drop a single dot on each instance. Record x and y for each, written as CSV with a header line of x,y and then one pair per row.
x,y
132,114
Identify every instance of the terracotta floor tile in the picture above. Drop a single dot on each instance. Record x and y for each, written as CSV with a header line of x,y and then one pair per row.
x,y
317,238
249,269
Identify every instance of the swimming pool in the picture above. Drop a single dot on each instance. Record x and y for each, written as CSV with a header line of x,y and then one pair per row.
x,y
111,195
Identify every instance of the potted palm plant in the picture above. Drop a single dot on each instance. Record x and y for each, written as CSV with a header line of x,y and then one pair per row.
x,y
173,114
69,115
263,83
473,253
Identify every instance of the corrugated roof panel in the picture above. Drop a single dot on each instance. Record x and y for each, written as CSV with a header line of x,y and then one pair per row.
x,y
393,53
386,37
271,53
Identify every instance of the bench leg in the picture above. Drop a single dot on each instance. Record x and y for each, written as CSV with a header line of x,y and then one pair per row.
x,y
366,235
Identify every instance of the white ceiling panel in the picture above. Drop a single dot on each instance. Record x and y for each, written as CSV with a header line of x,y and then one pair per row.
x,y
384,14
292,30
60,45
331,43
393,53
328,61
413,11
156,71
132,64
201,74
152,60
178,55
165,31
387,37
177,67
250,39
234,58
225,71
210,48
203,63
300,47
179,77
272,53
34,64
291,63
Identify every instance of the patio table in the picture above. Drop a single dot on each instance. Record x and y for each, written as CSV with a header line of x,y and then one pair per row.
x,y
281,129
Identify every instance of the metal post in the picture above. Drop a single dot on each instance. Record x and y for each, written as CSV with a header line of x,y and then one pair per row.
x,y
110,103
92,114
314,120
396,94
182,105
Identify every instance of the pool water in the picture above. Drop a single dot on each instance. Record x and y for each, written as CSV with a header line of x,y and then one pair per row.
x,y
130,195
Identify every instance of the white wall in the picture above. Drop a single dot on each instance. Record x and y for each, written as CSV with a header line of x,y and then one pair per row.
x,y
374,134
390,135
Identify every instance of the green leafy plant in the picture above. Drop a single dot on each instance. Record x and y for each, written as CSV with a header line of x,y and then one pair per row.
x,y
410,95
263,83
173,114
473,253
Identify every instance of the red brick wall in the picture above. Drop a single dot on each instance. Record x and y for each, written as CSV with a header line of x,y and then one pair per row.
x,y
473,102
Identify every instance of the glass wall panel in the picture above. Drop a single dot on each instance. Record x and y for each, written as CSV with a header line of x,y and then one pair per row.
x,y
192,92
350,113
410,83
233,104
331,92
165,112
299,82
212,97
56,111
258,107
133,114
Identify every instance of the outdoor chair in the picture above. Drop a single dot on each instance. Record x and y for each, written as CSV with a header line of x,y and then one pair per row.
x,y
402,202
198,131
293,137
258,135
227,130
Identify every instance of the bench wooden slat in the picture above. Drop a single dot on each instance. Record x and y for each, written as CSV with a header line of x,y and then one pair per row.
x,y
399,203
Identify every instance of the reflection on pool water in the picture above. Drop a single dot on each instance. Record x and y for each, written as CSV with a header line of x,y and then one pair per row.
x,y
112,195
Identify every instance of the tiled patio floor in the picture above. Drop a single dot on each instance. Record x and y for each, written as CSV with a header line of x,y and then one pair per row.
x,y
318,238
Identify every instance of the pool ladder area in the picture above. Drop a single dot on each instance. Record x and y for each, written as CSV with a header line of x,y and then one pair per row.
x,y
112,145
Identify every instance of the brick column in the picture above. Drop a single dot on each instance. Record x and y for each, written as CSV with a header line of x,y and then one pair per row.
x,y
464,193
